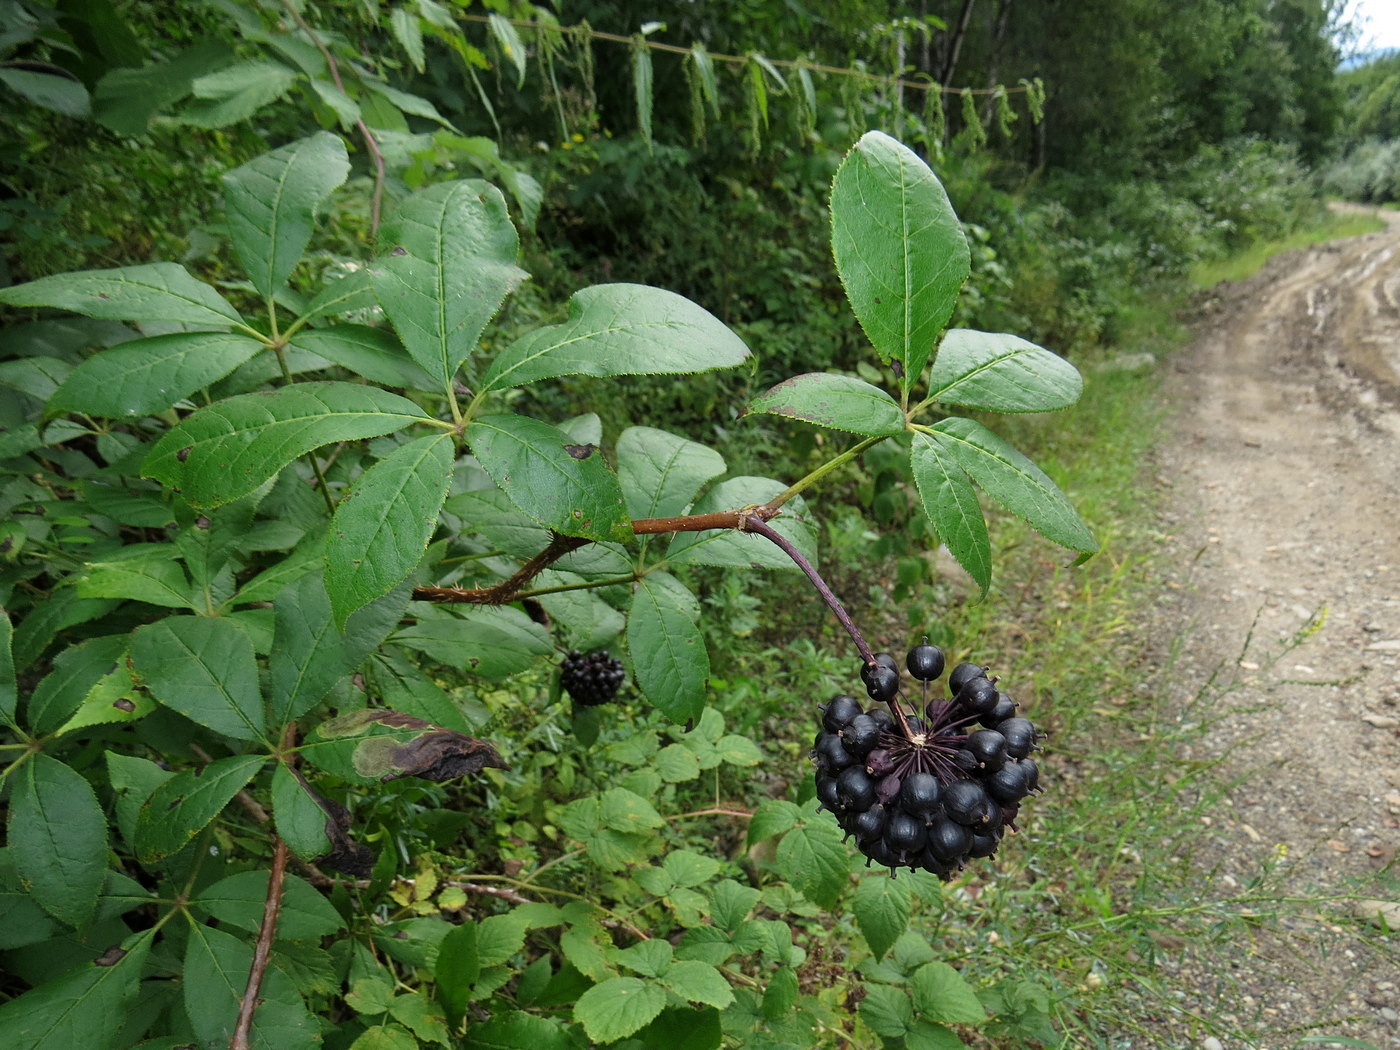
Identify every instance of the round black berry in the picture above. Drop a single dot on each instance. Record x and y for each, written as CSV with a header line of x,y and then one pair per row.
x,y
861,736
1020,736
978,696
839,712
925,662
962,674
919,794
881,681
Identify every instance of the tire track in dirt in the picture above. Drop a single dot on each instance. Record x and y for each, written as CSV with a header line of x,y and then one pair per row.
x,y
1283,478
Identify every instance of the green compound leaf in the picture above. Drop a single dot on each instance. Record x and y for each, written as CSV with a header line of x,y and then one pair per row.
x,y
162,291
80,1008
950,501
203,667
941,994
667,646
1001,373
834,401
452,266
383,524
183,806
228,449
1014,481
813,858
150,375
271,204
618,1007
661,472
562,485
899,248
881,908
58,838
617,330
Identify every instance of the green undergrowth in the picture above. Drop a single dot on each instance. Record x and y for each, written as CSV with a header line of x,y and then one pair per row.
x,y
1248,262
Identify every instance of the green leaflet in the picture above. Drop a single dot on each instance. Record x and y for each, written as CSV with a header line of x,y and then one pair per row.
x,y
661,472
813,858
183,806
370,352
9,687
490,642
58,838
1001,373
204,668
161,291
950,501
80,1008
230,448
834,401
618,1007
149,375
451,267
881,908
383,524
215,977
899,248
1014,482
620,329
667,646
271,204
561,484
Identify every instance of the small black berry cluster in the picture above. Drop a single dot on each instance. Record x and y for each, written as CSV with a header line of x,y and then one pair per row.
x,y
918,785
591,679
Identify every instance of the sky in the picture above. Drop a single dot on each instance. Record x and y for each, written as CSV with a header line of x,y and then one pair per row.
x,y
1383,28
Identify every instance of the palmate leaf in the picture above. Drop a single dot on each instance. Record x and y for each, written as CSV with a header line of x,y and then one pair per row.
x,y
149,375
1001,373
562,485
1014,482
451,267
162,291
271,205
229,448
370,352
899,249
383,524
950,501
617,330
834,401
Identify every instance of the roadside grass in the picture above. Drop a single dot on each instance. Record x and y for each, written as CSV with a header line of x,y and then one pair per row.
x,y
1248,262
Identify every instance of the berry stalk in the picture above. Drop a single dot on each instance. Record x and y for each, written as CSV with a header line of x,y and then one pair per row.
x,y
753,524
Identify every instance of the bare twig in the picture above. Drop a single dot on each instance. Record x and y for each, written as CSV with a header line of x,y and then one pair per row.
x,y
262,950
507,590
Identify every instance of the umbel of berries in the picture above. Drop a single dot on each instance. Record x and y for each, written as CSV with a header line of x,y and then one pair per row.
x,y
923,780
592,678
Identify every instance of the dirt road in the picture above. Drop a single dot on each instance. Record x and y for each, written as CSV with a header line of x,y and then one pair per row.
x,y
1284,484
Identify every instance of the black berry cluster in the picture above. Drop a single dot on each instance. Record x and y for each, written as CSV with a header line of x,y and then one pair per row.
x,y
920,785
591,678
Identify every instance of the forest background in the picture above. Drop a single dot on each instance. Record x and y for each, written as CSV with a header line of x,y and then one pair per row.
x,y
1098,153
